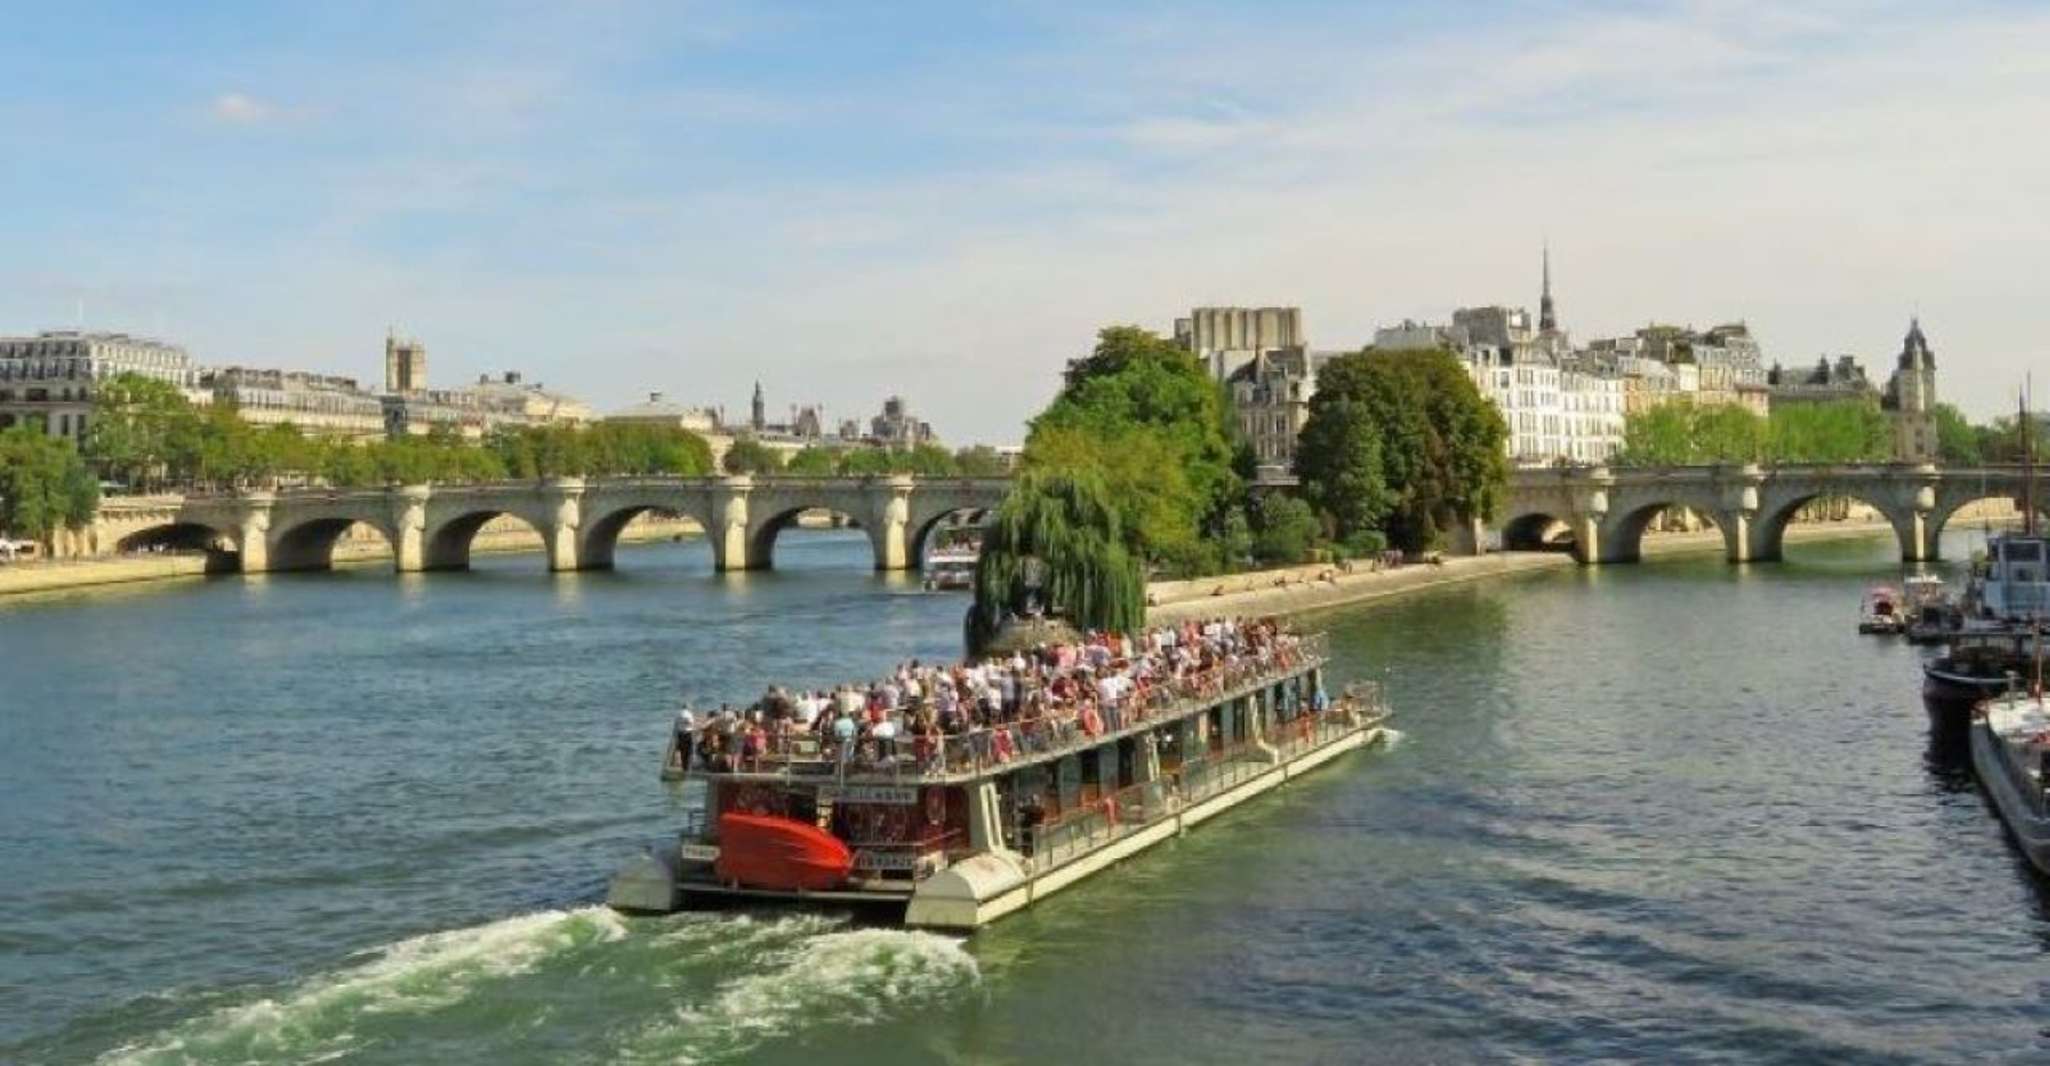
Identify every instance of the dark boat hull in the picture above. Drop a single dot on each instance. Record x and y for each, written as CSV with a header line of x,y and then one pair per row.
x,y
1949,696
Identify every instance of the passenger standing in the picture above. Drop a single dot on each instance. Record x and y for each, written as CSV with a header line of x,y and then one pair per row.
x,y
686,737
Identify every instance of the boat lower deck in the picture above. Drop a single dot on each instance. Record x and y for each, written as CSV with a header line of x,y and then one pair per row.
x,y
980,888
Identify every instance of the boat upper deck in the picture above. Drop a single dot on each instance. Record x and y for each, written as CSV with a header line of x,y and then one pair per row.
x,y
972,720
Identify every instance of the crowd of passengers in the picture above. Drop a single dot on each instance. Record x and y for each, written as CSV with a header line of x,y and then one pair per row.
x,y
991,710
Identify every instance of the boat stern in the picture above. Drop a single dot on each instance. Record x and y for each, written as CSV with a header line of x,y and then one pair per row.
x,y
645,885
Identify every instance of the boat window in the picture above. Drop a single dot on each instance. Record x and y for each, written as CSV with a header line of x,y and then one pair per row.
x,y
2022,551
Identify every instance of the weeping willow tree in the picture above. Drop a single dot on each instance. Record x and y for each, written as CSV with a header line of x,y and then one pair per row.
x,y
1057,546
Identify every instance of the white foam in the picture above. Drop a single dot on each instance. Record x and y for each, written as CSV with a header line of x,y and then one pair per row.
x,y
418,974
853,977
1390,738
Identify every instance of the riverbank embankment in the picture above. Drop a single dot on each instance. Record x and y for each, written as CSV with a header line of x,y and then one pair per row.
x,y
1301,589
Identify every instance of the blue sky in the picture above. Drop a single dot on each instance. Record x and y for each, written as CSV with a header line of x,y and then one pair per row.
x,y
948,199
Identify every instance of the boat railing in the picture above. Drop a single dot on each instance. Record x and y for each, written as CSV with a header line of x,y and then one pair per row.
x,y
1098,821
1083,724
1093,824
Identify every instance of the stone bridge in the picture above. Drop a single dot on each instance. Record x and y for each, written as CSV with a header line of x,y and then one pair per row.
x,y
1607,511
430,527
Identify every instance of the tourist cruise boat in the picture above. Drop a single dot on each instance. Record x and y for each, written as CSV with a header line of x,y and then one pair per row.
x,y
950,569
958,830
951,563
2010,749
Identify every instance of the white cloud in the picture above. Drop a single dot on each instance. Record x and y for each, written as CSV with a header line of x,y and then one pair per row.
x,y
241,109
1690,163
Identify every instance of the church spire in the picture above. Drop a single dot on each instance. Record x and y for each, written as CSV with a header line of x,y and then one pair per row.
x,y
1548,319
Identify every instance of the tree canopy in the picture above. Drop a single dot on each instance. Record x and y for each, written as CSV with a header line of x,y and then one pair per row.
x,y
1071,525
45,485
1685,434
147,435
1402,443
1143,415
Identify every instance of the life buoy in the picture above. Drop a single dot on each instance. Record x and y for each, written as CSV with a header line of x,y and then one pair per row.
x,y
935,806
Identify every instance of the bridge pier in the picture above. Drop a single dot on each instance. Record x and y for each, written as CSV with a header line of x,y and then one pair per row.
x,y
252,531
728,530
1921,541
409,528
562,499
1739,512
889,532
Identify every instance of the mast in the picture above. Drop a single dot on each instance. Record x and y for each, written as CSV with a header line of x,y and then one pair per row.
x,y
2028,470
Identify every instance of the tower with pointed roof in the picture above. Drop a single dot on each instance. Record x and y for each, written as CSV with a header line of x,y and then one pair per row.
x,y
1911,398
1548,318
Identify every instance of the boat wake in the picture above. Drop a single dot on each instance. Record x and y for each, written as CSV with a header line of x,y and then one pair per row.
x,y
803,978
1391,738
711,986
317,1020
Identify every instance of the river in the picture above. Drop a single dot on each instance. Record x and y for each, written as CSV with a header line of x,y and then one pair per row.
x,y
1672,812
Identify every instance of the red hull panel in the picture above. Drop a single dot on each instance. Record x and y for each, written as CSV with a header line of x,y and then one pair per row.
x,y
764,851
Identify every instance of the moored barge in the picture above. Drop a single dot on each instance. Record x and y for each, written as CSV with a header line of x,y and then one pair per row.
x,y
2011,758
954,828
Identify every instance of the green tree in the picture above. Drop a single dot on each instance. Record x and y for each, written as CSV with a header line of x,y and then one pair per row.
x,y
1402,443
143,431
45,485
1286,530
1687,434
1144,416
1958,442
1846,431
813,461
1067,526
980,460
752,457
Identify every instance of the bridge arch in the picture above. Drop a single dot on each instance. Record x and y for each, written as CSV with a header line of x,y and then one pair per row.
x,y
1777,510
447,544
764,529
1951,502
598,540
309,543
1622,531
1540,531
222,553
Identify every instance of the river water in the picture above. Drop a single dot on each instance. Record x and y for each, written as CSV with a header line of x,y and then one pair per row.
x,y
1673,812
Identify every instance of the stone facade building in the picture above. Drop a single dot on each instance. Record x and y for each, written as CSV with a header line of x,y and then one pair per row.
x,y
314,404
1227,338
1270,398
473,411
1560,406
1911,398
895,427
1828,381
405,364
50,379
